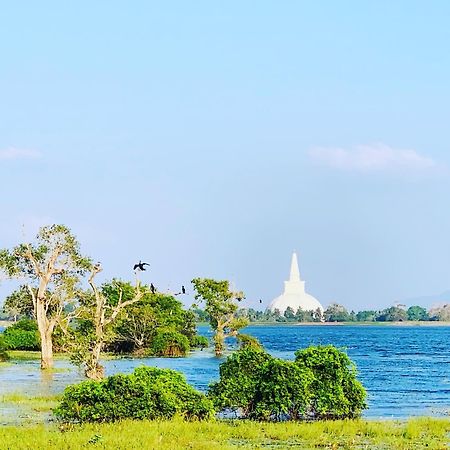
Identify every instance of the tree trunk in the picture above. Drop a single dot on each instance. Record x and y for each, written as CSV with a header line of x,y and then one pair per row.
x,y
219,341
45,328
94,370
46,350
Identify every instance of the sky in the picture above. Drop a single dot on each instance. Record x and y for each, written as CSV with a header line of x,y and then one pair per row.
x,y
212,139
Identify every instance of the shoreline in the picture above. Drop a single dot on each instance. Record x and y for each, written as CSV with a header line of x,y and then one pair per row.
x,y
351,324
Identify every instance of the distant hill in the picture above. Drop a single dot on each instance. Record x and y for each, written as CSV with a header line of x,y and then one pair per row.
x,y
428,300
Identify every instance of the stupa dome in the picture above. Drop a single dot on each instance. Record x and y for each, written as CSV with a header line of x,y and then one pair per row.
x,y
294,294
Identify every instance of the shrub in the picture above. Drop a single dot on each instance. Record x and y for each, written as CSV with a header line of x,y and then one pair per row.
x,y
169,343
320,384
336,391
283,391
147,393
3,355
247,341
240,375
23,335
199,341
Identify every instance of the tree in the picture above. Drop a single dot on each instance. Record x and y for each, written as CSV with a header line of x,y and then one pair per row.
x,y
289,313
19,304
441,313
140,322
417,313
240,375
336,393
320,384
336,313
221,306
283,391
366,316
304,316
392,314
98,311
53,267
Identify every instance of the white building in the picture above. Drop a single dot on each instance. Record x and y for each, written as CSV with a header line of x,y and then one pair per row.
x,y
294,294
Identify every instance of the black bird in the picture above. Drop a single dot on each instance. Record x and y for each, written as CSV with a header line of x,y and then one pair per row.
x,y
152,288
183,290
140,265
260,301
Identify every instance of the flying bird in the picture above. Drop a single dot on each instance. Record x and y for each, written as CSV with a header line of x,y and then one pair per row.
x,y
140,265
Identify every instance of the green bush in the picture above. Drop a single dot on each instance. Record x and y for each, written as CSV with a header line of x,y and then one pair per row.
x,y
240,375
320,384
199,341
147,393
283,391
3,355
336,392
23,335
169,343
248,341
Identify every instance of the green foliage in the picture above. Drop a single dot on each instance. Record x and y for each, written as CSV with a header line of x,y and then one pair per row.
x,y
19,303
283,391
336,393
169,343
417,313
392,314
3,347
221,307
147,393
366,316
139,324
198,341
200,315
289,313
320,384
248,341
240,376
22,335
337,313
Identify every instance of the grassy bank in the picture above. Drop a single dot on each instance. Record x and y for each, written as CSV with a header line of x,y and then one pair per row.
x,y
414,434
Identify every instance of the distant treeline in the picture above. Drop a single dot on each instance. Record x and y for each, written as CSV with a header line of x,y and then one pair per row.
x,y
338,313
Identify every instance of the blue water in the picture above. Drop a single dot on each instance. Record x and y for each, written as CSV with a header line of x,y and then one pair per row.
x,y
406,370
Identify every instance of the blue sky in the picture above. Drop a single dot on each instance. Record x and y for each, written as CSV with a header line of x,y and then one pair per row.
x,y
213,138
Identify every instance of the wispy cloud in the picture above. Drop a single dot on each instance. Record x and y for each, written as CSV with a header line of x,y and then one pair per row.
x,y
372,158
19,153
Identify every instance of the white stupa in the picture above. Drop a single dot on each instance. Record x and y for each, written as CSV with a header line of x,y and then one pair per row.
x,y
294,294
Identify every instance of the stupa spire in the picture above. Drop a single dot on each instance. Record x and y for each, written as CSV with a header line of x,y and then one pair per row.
x,y
295,272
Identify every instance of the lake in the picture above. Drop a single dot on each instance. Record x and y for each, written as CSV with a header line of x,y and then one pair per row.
x,y
406,369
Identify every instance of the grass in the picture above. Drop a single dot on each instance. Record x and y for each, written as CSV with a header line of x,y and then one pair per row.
x,y
17,408
414,434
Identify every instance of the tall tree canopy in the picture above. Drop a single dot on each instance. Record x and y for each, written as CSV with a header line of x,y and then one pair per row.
x,y
51,267
221,307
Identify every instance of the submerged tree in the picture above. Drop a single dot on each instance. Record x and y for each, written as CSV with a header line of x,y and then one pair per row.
x,y
99,310
221,307
52,267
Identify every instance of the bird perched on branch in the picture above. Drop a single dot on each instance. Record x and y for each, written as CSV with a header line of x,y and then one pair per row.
x,y
152,288
183,291
140,266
